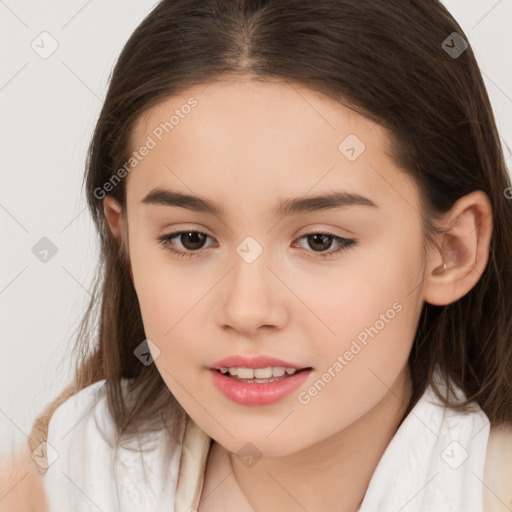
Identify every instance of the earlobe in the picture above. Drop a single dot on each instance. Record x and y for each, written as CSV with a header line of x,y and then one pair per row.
x,y
463,252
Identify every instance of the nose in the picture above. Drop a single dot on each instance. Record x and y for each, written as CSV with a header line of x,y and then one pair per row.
x,y
253,298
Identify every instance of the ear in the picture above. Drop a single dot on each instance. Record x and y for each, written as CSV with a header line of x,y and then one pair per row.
x,y
116,224
112,210
456,266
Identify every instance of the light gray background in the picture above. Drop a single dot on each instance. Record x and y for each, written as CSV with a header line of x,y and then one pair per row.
x,y
49,107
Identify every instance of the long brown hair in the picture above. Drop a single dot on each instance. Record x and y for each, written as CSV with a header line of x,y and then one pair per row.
x,y
388,60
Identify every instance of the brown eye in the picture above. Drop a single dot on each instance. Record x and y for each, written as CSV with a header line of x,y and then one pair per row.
x,y
192,240
320,242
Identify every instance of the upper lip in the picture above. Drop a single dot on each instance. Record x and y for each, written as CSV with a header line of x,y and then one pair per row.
x,y
253,362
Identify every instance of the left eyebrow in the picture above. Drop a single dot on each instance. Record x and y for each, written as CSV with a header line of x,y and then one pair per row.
x,y
286,207
331,200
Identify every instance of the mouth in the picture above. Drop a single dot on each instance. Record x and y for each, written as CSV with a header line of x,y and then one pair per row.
x,y
258,386
259,375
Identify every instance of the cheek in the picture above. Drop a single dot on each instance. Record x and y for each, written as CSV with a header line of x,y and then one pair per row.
x,y
167,301
375,328
165,289
172,297
367,309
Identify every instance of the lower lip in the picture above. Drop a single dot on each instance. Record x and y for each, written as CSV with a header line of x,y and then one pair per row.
x,y
257,393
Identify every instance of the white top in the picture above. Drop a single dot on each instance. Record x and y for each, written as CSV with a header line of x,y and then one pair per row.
x,y
435,462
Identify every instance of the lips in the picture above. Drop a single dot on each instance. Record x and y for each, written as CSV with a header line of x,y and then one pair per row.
x,y
262,361
257,394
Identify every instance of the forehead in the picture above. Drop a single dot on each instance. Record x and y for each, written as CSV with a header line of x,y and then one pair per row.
x,y
276,113
263,138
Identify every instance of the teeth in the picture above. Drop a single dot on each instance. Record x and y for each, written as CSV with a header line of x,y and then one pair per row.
x,y
258,373
244,373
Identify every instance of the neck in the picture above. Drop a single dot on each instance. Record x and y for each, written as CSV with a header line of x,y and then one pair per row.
x,y
332,474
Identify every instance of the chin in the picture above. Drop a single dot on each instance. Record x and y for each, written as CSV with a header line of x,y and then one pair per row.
x,y
258,446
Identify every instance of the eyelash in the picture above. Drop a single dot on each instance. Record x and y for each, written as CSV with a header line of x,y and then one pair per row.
x,y
165,241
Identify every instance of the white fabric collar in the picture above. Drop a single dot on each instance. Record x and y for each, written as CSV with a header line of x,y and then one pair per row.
x,y
435,461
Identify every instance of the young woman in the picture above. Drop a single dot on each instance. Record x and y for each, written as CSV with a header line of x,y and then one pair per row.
x,y
306,247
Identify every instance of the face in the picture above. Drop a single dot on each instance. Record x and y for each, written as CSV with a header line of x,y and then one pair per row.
x,y
334,289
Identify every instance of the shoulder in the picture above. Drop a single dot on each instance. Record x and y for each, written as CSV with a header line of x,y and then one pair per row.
x,y
78,414
78,406
77,452
87,465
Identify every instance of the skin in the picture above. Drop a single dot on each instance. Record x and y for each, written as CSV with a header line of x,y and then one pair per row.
x,y
247,145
